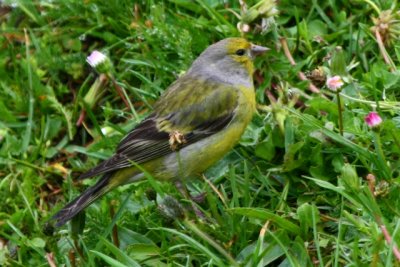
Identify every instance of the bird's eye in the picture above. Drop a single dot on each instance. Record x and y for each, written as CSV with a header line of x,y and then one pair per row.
x,y
240,52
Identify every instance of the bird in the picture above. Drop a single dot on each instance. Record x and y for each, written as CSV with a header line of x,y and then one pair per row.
x,y
195,122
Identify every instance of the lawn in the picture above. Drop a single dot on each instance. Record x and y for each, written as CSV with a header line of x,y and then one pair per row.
x,y
314,180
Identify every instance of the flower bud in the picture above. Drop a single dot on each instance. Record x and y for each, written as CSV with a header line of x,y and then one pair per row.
x,y
382,189
350,178
243,27
96,91
338,62
263,9
373,119
171,208
388,26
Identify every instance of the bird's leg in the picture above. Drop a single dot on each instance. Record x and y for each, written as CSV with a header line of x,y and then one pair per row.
x,y
183,190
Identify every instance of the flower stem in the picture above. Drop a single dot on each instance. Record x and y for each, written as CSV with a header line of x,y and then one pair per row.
x,y
340,112
384,53
301,75
122,93
381,156
388,237
373,5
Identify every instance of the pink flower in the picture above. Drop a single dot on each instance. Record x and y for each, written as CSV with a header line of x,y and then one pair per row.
x,y
373,119
96,58
100,62
334,83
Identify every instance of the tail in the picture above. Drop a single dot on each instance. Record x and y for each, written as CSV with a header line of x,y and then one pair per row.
x,y
82,201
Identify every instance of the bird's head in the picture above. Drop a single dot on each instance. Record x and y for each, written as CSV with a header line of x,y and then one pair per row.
x,y
229,59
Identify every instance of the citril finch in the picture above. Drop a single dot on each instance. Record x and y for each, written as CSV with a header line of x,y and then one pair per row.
x,y
197,120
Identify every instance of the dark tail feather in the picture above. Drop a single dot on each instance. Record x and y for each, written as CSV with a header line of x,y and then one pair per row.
x,y
82,201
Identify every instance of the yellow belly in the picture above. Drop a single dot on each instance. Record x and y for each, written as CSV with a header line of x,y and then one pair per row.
x,y
196,158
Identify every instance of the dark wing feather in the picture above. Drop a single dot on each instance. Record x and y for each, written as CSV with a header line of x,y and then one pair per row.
x,y
138,146
148,141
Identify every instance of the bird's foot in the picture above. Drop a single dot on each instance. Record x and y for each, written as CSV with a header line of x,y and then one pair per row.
x,y
176,139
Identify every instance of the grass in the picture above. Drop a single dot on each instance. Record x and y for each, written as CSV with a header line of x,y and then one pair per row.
x,y
294,192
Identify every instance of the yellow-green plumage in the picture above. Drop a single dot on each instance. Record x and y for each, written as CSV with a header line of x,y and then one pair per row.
x,y
210,106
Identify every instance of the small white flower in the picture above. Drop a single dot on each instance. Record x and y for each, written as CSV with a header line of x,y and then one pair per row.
x,y
96,58
243,27
334,83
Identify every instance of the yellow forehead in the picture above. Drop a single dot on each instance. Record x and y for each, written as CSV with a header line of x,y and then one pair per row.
x,y
237,43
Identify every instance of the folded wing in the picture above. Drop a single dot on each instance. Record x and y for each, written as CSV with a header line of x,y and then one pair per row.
x,y
196,110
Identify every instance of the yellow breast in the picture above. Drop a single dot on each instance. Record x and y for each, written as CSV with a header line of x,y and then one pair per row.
x,y
247,104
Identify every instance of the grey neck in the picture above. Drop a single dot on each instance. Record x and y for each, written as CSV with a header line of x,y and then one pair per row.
x,y
234,74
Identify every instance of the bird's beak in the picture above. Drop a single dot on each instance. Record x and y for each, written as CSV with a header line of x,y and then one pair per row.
x,y
257,50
